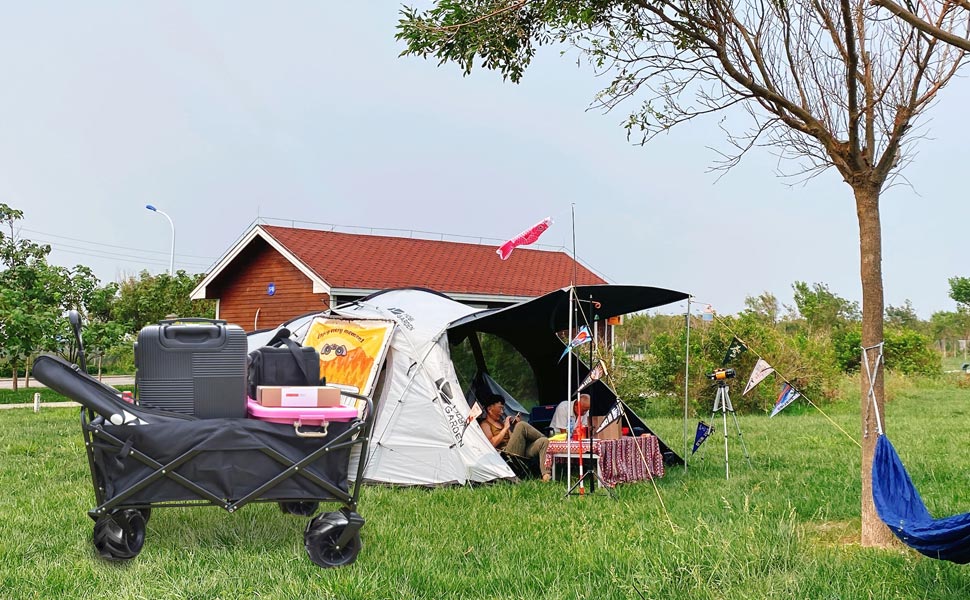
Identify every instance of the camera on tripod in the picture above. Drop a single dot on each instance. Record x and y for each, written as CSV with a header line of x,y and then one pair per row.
x,y
720,374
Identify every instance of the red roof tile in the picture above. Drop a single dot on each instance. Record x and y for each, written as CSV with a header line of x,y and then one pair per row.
x,y
346,260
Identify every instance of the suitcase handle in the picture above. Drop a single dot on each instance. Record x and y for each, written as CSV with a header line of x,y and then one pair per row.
x,y
310,434
208,335
193,320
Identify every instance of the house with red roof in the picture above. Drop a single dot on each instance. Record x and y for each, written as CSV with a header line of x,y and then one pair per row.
x,y
275,273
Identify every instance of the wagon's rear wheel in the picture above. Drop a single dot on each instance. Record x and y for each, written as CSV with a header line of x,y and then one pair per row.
x,y
299,508
120,534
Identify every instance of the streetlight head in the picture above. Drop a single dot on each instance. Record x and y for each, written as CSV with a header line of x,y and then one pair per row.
x,y
151,208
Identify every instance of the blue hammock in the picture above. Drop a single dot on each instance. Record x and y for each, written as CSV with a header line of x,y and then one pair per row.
x,y
900,507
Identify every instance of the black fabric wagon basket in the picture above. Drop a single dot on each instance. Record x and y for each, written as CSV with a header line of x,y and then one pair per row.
x,y
142,458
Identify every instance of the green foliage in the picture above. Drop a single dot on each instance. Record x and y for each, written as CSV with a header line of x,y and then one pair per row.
x,y
821,308
503,35
763,307
909,352
950,325
848,348
903,317
504,364
812,347
151,298
31,293
960,290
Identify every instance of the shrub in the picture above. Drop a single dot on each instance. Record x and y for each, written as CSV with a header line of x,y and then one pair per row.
x,y
910,353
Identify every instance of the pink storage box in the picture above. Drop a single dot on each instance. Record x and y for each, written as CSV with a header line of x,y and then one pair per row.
x,y
300,414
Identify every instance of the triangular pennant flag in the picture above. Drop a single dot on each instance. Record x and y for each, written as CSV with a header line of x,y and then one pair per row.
x,y
703,432
611,416
594,375
735,350
761,370
787,396
529,236
581,338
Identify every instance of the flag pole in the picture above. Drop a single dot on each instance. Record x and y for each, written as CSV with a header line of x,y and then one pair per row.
x,y
686,380
569,357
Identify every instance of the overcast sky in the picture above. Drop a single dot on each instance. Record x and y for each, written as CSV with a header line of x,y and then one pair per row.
x,y
221,112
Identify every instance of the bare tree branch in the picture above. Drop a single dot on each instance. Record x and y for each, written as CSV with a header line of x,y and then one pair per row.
x,y
924,26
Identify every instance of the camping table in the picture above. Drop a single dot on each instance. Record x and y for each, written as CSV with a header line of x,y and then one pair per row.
x,y
620,461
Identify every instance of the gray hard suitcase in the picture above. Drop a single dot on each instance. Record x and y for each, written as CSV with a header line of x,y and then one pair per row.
x,y
192,366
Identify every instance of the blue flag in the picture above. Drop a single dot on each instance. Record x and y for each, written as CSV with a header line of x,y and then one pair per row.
x,y
581,338
704,431
787,396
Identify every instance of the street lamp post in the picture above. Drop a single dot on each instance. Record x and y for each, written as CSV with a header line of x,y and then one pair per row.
x,y
171,267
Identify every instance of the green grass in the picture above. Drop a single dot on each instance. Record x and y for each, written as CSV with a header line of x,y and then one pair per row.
x,y
953,363
787,527
26,395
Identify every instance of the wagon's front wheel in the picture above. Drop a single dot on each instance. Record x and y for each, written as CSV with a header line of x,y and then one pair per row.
x,y
321,538
120,534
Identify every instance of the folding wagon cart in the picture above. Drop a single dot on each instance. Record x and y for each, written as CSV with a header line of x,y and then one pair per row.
x,y
142,459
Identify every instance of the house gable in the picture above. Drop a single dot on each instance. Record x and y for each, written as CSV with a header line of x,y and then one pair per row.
x,y
243,288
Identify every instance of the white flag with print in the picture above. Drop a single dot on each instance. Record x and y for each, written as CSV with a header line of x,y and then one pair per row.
x,y
761,370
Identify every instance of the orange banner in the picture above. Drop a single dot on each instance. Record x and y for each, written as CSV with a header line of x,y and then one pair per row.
x,y
351,350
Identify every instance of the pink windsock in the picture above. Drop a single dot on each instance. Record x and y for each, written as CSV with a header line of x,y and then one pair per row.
x,y
529,236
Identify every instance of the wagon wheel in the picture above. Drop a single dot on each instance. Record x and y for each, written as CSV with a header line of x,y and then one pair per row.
x,y
320,540
300,508
120,534
146,513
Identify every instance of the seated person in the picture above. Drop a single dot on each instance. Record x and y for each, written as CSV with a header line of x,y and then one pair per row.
x,y
510,434
562,421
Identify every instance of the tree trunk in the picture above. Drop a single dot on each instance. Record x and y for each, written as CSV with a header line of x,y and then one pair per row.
x,y
13,373
874,532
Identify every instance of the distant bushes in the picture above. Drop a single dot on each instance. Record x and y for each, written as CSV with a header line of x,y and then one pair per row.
x,y
813,358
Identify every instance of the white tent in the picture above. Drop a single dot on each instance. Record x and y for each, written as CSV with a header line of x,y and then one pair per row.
x,y
421,433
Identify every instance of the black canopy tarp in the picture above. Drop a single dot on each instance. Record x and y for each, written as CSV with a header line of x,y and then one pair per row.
x,y
531,327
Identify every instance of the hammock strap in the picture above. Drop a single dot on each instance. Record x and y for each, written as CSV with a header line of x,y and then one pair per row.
x,y
871,374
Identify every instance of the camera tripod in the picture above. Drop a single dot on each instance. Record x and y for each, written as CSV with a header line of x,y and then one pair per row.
x,y
722,403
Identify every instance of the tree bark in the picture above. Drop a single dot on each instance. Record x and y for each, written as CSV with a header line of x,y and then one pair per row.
x,y
13,373
874,532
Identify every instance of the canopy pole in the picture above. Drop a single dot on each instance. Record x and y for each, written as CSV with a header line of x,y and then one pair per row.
x,y
686,380
569,358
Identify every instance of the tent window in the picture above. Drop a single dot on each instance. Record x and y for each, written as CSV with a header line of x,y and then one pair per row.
x,y
503,362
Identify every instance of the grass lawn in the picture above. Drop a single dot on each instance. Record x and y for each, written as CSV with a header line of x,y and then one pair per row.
x,y
788,527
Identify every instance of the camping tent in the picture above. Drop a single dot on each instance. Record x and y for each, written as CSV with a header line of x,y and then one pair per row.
x,y
422,434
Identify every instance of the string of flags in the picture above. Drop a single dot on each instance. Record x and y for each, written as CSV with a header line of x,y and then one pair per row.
x,y
761,370
789,393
